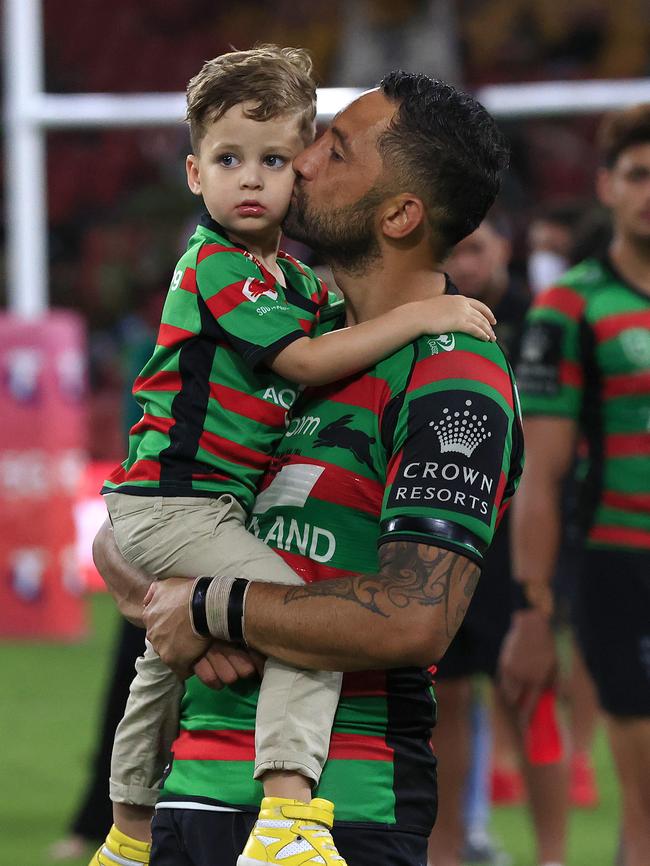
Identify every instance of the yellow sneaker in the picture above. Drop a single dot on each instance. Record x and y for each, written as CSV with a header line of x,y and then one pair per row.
x,y
291,833
121,850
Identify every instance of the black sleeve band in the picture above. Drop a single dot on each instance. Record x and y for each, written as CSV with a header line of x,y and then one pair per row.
x,y
236,610
199,618
518,597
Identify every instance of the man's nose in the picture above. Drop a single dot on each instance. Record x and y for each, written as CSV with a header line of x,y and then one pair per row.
x,y
305,164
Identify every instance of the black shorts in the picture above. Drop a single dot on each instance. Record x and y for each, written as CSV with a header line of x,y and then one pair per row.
x,y
476,646
612,616
192,837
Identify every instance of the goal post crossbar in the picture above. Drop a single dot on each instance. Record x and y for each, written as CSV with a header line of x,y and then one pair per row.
x,y
30,113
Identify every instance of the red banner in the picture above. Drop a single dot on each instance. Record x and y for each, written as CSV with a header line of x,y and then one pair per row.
x,y
42,444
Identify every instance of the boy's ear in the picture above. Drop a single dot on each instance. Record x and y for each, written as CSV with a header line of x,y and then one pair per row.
x,y
401,215
193,178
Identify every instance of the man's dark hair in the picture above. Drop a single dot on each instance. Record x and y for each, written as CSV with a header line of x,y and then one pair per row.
x,y
447,149
622,129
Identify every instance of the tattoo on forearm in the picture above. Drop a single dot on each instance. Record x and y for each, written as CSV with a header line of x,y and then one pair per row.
x,y
410,573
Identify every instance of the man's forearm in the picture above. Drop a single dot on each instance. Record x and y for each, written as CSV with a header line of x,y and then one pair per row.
x,y
127,585
536,528
405,615
536,536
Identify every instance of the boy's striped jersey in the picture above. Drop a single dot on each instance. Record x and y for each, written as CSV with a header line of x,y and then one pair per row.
x,y
212,411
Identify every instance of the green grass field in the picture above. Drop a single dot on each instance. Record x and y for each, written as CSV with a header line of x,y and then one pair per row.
x,y
49,716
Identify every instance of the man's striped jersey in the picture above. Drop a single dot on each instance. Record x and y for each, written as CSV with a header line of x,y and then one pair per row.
x,y
424,447
586,356
212,412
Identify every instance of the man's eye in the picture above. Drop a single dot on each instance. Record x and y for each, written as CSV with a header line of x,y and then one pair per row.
x,y
228,160
638,175
274,161
335,155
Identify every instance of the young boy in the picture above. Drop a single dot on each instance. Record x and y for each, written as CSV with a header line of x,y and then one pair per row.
x,y
234,337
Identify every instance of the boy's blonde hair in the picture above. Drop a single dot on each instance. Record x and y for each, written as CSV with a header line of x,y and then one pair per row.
x,y
277,79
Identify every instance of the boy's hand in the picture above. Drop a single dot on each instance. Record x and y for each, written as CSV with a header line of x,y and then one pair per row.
x,y
447,313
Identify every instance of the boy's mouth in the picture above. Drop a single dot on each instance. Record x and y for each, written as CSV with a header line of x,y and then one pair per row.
x,y
250,207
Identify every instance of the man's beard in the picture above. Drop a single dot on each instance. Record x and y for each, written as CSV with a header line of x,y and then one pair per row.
x,y
344,237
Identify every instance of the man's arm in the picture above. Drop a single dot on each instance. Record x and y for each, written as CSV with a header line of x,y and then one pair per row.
x,y
528,658
407,614
222,664
128,585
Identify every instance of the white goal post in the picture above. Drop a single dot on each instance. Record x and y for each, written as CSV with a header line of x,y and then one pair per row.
x,y
30,112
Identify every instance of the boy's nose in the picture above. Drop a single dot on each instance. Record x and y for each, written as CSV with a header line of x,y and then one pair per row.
x,y
251,179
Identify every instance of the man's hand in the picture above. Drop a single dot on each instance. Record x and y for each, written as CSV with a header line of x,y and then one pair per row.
x,y
167,620
224,664
528,660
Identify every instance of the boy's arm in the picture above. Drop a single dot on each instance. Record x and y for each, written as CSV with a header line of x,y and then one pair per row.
x,y
341,353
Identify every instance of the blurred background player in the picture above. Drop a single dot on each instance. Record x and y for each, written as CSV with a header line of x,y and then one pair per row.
x,y
585,372
479,266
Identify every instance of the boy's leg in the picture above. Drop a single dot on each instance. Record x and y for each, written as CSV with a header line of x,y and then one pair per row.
x,y
151,532
143,737
295,713
296,707
195,537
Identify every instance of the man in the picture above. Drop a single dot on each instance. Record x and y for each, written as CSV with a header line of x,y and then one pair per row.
x,y
479,267
415,457
585,370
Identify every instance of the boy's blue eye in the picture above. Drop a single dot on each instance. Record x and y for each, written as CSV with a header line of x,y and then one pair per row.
x,y
228,160
274,161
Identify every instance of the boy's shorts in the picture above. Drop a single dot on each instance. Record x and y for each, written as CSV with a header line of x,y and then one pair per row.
x,y
191,537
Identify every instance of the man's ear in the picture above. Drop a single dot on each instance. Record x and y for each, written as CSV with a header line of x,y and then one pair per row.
x,y
604,186
401,215
192,169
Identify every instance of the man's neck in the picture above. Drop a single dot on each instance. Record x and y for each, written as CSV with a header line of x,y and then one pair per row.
x,y
385,285
632,260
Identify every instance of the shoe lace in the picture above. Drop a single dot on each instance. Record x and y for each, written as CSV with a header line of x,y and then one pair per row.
x,y
323,833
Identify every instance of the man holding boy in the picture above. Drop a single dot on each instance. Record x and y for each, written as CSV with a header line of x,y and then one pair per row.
x,y
416,457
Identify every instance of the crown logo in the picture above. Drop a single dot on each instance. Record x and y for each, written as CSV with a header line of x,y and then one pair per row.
x,y
460,431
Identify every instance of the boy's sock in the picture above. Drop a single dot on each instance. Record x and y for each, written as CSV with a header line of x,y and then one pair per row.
x,y
121,850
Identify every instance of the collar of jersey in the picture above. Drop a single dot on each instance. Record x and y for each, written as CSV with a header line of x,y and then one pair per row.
x,y
217,229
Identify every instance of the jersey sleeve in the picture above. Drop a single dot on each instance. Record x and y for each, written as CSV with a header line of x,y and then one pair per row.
x,y
550,371
455,453
253,314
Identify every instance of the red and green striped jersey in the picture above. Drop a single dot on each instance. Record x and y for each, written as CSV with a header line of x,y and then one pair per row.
x,y
426,446
586,356
212,412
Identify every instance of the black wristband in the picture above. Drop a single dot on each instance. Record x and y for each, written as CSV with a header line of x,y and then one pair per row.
x,y
199,618
518,598
236,610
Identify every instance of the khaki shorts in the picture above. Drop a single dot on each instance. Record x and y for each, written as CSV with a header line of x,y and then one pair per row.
x,y
192,536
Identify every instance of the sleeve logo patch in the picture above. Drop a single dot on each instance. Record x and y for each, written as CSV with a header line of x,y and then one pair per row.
x,y
253,289
461,432
453,455
538,371
441,343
